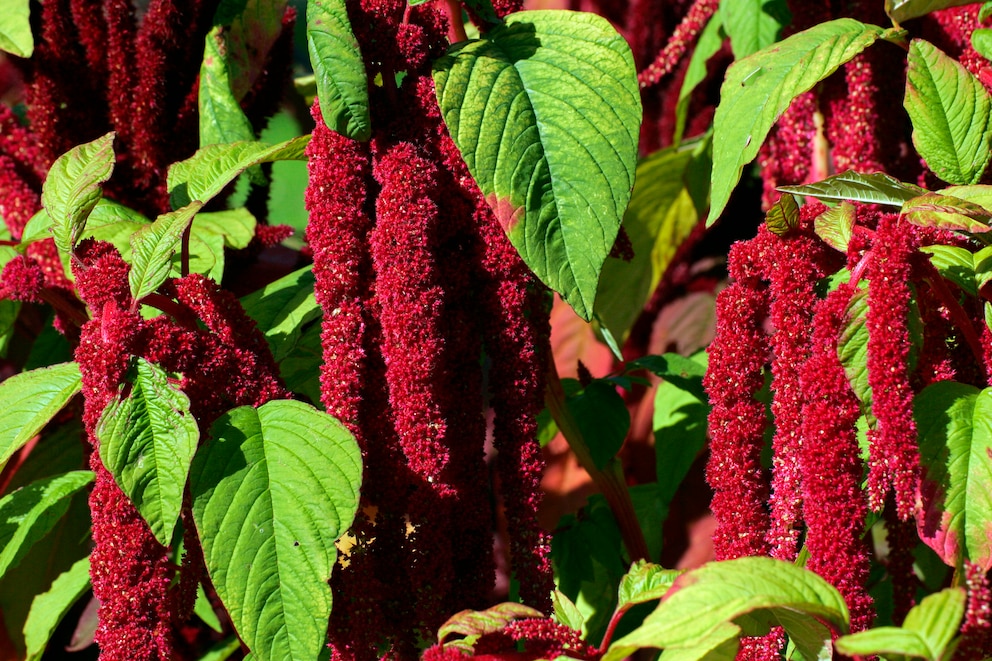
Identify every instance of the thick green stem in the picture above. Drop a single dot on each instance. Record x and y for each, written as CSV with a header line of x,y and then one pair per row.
x,y
609,480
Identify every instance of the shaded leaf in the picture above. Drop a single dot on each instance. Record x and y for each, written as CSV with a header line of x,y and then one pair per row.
x,y
339,70
272,492
546,112
29,400
679,424
602,415
708,44
684,373
874,188
147,440
955,264
760,87
74,186
903,10
282,308
28,514
783,217
478,623
950,112
152,248
48,609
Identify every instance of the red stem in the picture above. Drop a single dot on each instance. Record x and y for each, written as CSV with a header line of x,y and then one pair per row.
x,y
960,317
611,629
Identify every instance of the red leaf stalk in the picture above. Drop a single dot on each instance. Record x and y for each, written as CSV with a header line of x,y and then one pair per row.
x,y
833,504
893,458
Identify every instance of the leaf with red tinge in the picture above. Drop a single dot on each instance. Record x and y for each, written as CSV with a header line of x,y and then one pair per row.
x,y
783,216
473,624
946,212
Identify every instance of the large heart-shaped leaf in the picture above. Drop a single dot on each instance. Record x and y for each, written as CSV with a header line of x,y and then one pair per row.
x,y
950,111
760,87
147,441
339,71
954,422
272,492
546,112
29,400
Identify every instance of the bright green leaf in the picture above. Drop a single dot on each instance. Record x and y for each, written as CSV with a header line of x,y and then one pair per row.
x,y
852,346
890,642
645,582
955,264
147,440
680,434
753,24
660,216
221,117
981,41
211,168
565,611
937,618
281,308
874,188
272,492
48,609
29,400
950,111
237,226
760,87
602,415
205,611
901,11
15,28
945,212
546,112
152,248
954,423
74,186
26,515
339,70
761,591
707,45
721,644
37,228
836,226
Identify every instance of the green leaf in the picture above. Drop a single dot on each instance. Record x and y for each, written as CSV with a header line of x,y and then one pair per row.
x,y
981,41
753,24
8,319
759,591
985,12
955,264
282,308
221,117
565,611
836,226
26,515
473,624
891,642
708,44
645,582
852,346
48,609
901,11
29,400
721,644
783,217
680,434
272,492
946,212
546,112
211,168
74,186
660,216
760,87
874,188
205,611
339,70
152,247
222,650
937,618
147,440
300,366
950,112
684,373
237,226
602,415
37,228
15,28
954,423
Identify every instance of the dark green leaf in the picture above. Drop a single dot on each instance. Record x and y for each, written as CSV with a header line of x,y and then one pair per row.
x,y
660,216
48,609
684,373
954,423
15,28
759,88
753,24
950,111
901,11
74,186
29,400
152,248
546,112
954,263
8,318
603,418
28,514
874,188
147,440
211,168
709,43
342,84
835,226
272,492
783,217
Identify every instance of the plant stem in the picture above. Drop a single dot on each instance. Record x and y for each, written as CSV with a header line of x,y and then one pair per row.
x,y
457,22
960,317
609,480
611,629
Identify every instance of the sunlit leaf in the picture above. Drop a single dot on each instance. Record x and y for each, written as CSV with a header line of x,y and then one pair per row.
x,y
901,11
753,24
339,71
15,28
48,608
873,188
152,248
29,400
